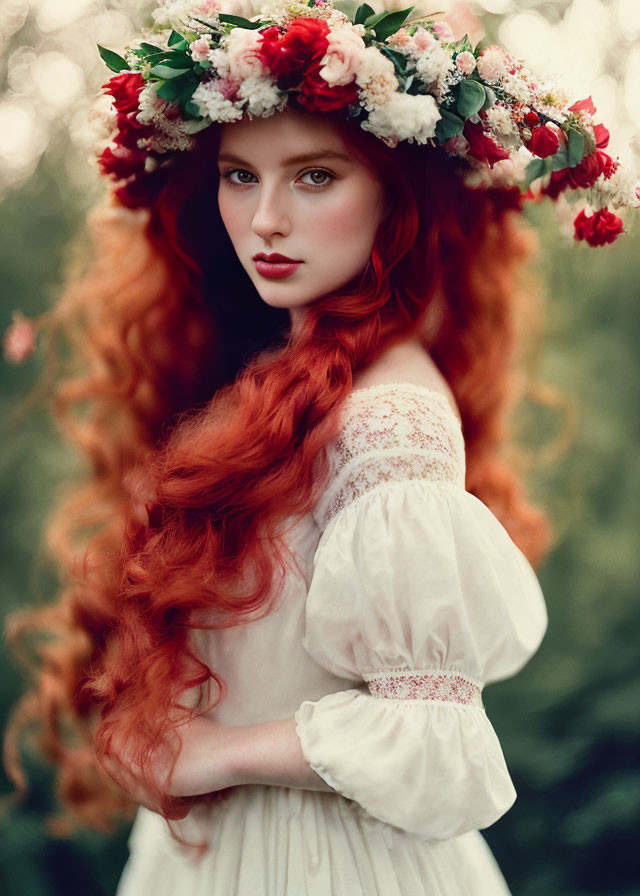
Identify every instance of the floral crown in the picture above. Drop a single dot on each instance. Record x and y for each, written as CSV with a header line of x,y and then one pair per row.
x,y
399,76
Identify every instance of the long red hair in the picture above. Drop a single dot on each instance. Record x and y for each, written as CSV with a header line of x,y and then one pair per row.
x,y
203,420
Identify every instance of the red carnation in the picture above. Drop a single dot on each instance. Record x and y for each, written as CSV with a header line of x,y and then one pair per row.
x,y
584,106
482,147
544,142
125,89
589,170
598,229
288,56
602,136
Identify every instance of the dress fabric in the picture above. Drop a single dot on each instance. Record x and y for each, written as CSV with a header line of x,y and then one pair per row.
x,y
407,597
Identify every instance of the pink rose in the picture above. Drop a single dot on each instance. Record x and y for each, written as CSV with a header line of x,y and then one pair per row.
x,y
466,62
343,56
200,49
400,39
243,51
444,31
423,39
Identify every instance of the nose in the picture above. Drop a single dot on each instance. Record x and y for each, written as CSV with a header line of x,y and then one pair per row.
x,y
272,216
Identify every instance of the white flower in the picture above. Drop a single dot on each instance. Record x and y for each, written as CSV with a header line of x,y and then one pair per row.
x,y
262,95
212,103
405,117
342,59
376,78
618,191
500,121
219,59
434,66
150,105
518,88
492,64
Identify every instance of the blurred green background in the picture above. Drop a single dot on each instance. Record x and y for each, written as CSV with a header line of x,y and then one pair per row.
x,y
570,722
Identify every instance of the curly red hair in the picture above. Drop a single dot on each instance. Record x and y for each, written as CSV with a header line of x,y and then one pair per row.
x,y
204,420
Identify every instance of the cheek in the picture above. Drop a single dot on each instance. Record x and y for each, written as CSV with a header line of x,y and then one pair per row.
x,y
350,225
231,216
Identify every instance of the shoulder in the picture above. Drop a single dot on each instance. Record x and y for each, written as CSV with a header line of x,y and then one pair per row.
x,y
407,362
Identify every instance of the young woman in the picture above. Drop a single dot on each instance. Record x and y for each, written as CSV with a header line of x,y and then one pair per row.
x,y
302,555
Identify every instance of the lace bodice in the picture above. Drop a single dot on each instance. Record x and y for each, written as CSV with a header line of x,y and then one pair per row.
x,y
408,432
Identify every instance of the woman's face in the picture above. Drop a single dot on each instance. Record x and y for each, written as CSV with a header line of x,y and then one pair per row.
x,y
289,186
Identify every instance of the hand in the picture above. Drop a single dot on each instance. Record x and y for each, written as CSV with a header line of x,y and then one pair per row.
x,y
204,764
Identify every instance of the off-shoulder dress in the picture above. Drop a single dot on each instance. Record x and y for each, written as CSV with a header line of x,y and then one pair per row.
x,y
408,598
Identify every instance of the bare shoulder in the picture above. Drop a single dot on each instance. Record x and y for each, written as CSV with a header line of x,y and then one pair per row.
x,y
408,362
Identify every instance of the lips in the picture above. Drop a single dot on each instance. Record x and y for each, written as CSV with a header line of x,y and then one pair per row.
x,y
275,257
275,266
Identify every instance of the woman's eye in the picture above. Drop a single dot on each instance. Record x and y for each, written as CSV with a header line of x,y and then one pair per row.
x,y
319,177
242,174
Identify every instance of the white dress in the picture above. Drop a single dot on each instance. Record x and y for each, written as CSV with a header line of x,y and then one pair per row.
x,y
410,596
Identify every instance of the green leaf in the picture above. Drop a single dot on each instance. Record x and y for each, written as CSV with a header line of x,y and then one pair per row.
x,y
384,24
535,169
448,126
151,48
238,21
166,72
471,98
192,110
463,45
491,98
362,13
178,41
560,160
169,90
576,147
112,60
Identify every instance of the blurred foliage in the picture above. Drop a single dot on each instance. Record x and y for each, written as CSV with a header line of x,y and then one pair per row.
x,y
569,723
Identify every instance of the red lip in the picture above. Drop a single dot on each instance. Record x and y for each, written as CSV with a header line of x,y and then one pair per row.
x,y
275,256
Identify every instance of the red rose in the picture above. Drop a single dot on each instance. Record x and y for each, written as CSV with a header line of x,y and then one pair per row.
x,y
544,142
125,89
317,96
482,147
598,229
288,56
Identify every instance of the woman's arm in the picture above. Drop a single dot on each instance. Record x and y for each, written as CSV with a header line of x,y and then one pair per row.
x,y
216,756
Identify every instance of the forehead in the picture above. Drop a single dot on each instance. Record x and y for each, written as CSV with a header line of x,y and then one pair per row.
x,y
287,132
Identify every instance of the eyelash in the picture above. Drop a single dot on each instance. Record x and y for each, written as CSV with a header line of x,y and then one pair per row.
x,y
227,176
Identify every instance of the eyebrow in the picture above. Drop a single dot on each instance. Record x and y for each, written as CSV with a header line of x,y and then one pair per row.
x,y
292,160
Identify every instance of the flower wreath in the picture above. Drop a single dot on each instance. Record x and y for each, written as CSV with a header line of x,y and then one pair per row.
x,y
400,77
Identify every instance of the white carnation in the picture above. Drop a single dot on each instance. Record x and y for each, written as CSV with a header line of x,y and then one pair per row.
x,y
212,103
262,95
492,65
376,78
405,117
150,105
434,66
500,121
619,191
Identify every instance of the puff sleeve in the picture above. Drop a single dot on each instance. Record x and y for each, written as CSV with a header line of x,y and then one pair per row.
x,y
419,592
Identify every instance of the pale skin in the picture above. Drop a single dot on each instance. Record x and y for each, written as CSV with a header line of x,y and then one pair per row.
x,y
288,184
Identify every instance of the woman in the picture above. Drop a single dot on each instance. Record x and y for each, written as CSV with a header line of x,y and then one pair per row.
x,y
293,587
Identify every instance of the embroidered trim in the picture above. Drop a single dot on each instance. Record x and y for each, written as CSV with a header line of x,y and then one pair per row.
x,y
411,684
403,432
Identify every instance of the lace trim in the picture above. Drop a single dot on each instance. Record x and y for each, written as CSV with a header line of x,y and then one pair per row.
x,y
407,432
412,684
